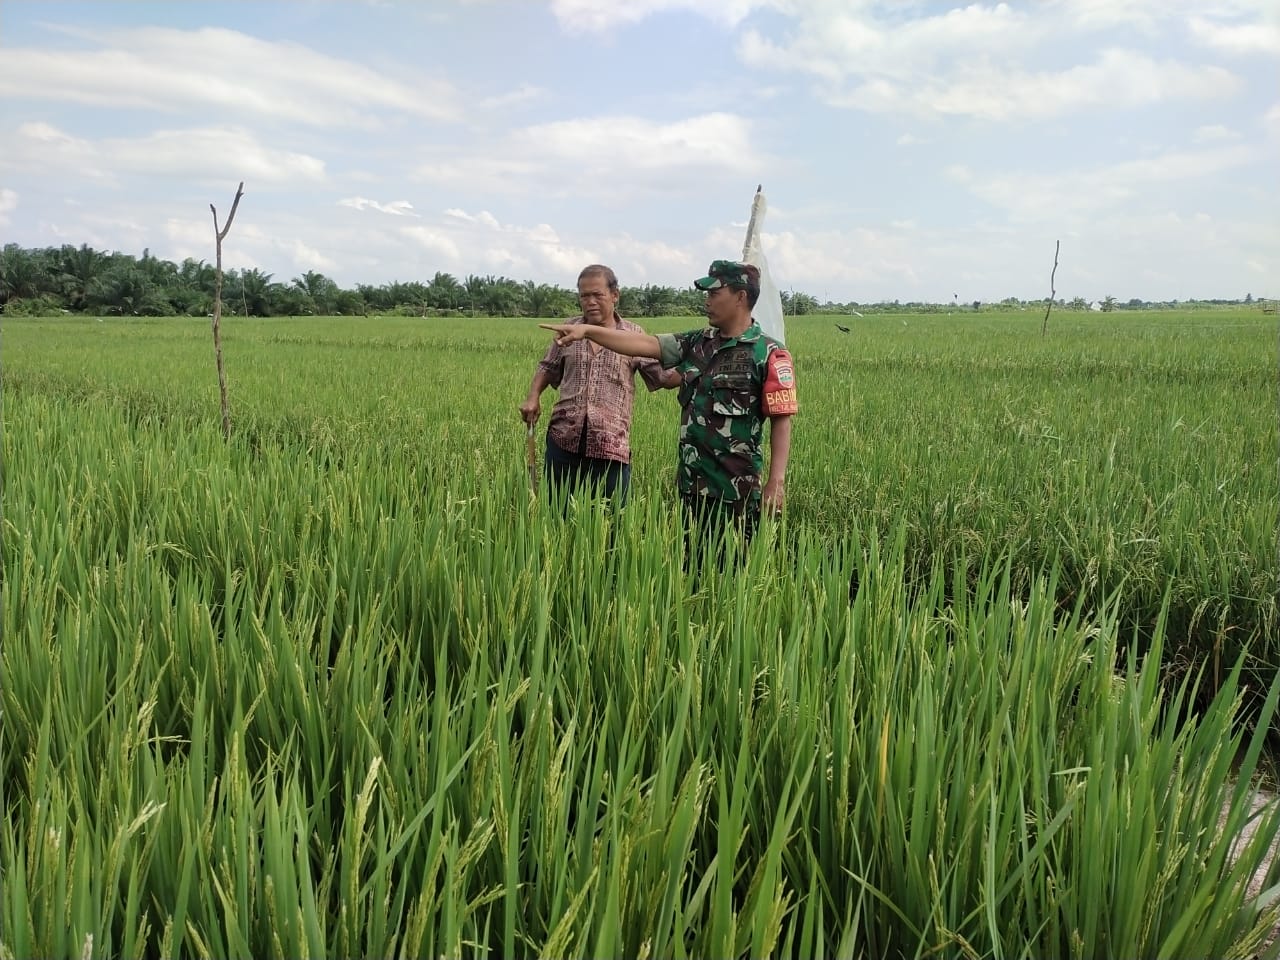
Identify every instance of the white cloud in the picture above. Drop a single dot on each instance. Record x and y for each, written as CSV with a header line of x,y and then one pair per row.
x,y
836,43
433,241
1271,120
640,261
143,117
862,264
397,208
1153,256
992,61
982,60
1102,14
190,238
479,242
484,217
1214,132
218,154
262,244
308,257
582,16
1070,196
1237,38
520,95
604,155
984,86
509,246
190,71
481,169
1119,78
718,141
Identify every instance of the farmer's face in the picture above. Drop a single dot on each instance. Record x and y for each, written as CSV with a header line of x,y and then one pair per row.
x,y
597,300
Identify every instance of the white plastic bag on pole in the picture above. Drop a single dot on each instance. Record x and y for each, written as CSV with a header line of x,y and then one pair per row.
x,y
768,309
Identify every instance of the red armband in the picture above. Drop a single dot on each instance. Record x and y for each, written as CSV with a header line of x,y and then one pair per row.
x,y
779,385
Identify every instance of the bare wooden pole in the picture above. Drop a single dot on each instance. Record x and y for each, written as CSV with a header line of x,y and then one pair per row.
x,y
1052,292
219,236
751,223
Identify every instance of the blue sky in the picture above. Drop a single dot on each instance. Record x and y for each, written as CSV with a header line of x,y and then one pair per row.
x,y
908,150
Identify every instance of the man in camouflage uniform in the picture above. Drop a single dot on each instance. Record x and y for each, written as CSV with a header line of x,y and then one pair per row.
x,y
733,379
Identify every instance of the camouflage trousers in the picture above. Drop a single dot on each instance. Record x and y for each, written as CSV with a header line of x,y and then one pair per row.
x,y
717,531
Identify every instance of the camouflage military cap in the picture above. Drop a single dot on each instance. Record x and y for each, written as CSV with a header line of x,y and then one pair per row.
x,y
730,273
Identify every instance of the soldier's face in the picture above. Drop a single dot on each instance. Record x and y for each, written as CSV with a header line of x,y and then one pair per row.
x,y
721,305
597,300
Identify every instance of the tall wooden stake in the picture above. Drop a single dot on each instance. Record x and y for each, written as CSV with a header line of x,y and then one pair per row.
x,y
219,236
1052,293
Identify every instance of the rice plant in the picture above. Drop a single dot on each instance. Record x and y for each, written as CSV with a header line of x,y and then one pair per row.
x,y
342,687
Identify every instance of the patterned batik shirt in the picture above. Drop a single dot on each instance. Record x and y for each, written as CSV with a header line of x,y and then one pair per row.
x,y
730,385
597,387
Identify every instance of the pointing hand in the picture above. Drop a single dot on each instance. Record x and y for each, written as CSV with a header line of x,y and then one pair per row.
x,y
566,333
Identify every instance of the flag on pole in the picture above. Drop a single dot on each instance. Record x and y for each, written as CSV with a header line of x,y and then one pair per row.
x,y
768,309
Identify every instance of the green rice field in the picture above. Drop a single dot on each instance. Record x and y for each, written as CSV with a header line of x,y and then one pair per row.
x,y
1001,683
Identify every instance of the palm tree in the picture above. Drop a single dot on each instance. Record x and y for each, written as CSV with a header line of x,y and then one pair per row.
x,y
349,303
198,275
690,301
125,289
543,300
319,290
377,299
443,291
161,273
21,274
412,294
251,288
501,297
78,268
629,304
477,288
192,290
655,300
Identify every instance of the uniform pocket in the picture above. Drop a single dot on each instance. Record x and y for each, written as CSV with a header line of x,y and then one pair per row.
x,y
731,396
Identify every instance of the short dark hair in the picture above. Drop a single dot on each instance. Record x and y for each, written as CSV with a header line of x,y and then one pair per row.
x,y
600,270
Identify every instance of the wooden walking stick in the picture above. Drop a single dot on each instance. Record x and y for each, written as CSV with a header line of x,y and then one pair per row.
x,y
531,460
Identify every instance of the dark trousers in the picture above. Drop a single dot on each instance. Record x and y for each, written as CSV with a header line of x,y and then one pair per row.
x,y
568,473
719,530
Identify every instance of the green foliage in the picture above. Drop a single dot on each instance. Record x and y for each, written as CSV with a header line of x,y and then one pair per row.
x,y
86,280
798,304
22,275
44,305
340,688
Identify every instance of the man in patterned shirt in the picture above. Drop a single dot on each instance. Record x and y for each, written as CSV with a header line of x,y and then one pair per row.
x,y
589,437
733,379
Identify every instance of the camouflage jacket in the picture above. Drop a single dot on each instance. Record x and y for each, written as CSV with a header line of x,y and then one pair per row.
x,y
731,385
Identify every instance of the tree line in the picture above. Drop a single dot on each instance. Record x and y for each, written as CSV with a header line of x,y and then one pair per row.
x,y
68,279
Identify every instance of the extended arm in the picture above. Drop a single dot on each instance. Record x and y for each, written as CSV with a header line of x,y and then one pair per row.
x,y
629,343
774,493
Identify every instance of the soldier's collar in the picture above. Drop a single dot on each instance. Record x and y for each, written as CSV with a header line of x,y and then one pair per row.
x,y
749,335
